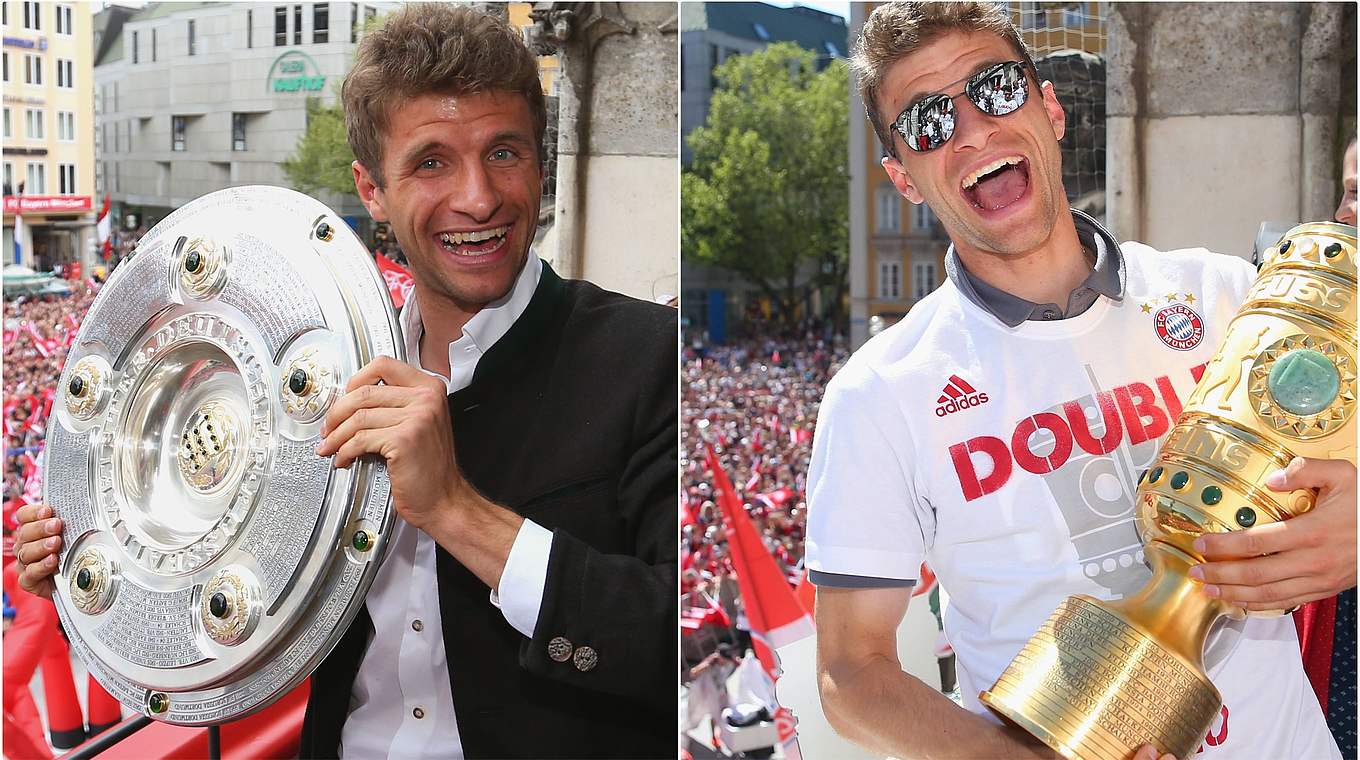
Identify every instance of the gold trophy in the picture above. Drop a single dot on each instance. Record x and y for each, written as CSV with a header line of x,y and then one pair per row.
x,y
1100,679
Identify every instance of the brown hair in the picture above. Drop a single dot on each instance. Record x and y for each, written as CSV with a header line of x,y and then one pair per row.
x,y
896,29
434,48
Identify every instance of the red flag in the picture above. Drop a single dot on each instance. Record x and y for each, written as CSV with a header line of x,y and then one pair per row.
x,y
775,616
399,281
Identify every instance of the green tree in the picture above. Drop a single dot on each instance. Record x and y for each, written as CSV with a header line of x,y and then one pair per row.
x,y
767,193
322,158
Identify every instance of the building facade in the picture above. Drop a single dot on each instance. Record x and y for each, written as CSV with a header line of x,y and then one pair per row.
x,y
196,97
897,248
49,126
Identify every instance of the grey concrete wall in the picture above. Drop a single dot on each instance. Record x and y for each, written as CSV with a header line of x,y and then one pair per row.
x,y
618,173
1225,115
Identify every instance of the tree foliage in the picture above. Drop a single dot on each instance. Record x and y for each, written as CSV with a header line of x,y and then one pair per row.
x,y
322,158
767,193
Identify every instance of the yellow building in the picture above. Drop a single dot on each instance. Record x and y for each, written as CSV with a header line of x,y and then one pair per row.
x,y
897,248
48,133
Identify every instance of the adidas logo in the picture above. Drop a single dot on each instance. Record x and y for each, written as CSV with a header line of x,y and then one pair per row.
x,y
957,396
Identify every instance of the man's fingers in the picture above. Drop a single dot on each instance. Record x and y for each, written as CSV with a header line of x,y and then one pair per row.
x,y
1256,571
389,371
30,512
32,552
1253,542
1312,473
1277,595
36,531
362,442
364,397
367,418
36,579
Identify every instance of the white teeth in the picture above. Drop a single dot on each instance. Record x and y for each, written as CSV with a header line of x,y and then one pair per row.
x,y
972,179
477,236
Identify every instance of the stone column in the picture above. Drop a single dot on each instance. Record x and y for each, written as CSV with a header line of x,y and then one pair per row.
x,y
1222,116
618,172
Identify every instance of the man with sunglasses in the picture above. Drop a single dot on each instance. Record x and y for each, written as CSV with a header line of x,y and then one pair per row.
x,y
997,432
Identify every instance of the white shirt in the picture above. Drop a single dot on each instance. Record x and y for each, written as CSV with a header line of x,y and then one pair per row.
x,y
404,673
1008,459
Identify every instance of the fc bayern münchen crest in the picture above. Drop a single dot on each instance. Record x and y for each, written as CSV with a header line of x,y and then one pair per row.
x,y
1179,326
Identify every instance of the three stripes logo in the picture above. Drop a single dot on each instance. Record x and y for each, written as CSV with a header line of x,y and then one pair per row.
x,y
957,396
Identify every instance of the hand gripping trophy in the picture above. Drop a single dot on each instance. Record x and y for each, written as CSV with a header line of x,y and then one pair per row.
x,y
1100,679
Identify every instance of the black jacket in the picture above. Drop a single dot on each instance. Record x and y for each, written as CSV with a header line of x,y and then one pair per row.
x,y
570,420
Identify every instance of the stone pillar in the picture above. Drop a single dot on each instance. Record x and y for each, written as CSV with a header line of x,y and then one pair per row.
x,y
1220,117
618,173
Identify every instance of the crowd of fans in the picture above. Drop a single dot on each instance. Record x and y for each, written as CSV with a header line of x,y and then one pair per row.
x,y
755,403
38,332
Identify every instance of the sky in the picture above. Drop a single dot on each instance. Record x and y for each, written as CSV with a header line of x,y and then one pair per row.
x,y
841,9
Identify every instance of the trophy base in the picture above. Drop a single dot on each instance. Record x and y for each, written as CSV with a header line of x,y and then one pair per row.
x,y
1092,686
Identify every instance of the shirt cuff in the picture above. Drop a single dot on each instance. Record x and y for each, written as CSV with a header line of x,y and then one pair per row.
x,y
525,575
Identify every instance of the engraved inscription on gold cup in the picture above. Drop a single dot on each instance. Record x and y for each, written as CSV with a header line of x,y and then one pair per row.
x,y
1100,679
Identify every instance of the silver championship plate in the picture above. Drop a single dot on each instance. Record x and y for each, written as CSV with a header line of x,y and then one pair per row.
x,y
211,559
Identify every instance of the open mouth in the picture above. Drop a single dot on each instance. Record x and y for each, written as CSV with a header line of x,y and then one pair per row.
x,y
475,242
998,184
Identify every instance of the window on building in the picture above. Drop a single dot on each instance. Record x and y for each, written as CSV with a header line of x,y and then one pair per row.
x,y
889,210
1075,17
66,179
4,19
33,16
33,123
66,126
890,280
321,23
153,45
66,73
135,56
32,70
64,17
117,176
1032,15
177,133
353,22
9,131
100,171
250,29
103,137
37,179
6,57
238,131
192,38
922,220
280,26
923,279
297,24
9,178
760,30
115,96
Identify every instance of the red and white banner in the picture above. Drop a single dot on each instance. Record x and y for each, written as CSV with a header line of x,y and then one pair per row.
x,y
42,204
104,228
775,616
399,281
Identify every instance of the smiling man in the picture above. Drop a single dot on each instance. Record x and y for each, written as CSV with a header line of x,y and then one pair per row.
x,y
997,431
526,607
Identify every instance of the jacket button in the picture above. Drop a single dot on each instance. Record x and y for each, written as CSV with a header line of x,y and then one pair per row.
x,y
585,659
559,649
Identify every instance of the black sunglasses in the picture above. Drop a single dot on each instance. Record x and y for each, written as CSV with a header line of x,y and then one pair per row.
x,y
997,90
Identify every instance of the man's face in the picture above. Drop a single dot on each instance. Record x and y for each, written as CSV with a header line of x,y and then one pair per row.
x,y
1010,211
1345,212
462,188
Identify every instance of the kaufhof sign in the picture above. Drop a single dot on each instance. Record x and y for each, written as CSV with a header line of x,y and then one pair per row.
x,y
294,71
